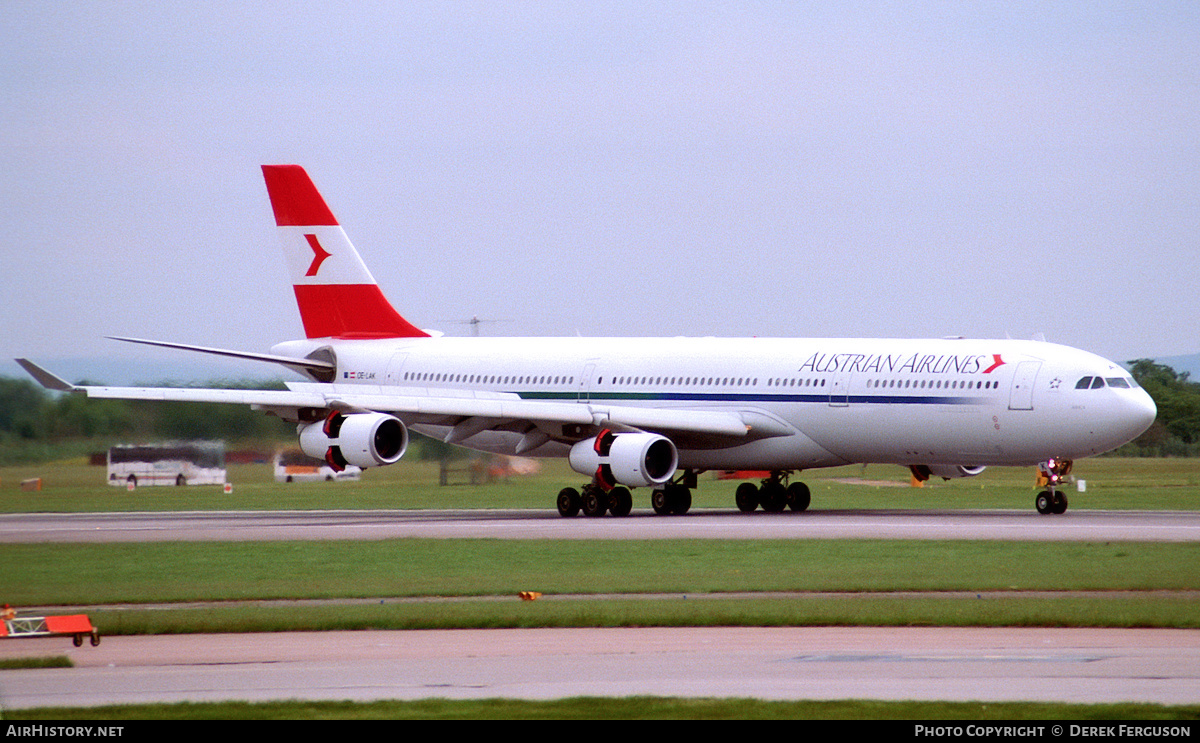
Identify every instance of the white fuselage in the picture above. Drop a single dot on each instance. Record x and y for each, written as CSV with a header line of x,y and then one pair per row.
x,y
819,402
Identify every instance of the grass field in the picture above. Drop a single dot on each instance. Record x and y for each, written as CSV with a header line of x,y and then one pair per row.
x,y
627,708
1111,483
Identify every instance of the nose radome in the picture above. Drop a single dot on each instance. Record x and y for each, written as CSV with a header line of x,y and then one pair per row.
x,y
1141,412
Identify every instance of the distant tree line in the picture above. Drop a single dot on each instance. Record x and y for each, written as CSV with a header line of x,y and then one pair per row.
x,y
36,424
1176,431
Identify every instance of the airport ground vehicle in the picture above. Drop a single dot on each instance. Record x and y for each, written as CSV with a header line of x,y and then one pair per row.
x,y
177,463
295,466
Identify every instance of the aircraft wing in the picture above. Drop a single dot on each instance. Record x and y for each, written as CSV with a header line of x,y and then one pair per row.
x,y
511,408
476,413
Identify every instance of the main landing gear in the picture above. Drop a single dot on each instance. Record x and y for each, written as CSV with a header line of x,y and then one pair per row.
x,y
594,501
1053,500
774,495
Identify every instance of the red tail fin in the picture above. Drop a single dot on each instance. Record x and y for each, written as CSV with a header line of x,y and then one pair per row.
x,y
335,292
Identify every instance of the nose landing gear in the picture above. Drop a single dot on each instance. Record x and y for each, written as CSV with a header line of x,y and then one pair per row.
x,y
1054,473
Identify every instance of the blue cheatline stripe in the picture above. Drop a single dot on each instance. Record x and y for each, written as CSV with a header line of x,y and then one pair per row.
x,y
755,397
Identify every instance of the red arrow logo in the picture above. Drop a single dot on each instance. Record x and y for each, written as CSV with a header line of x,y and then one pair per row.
x,y
319,255
996,363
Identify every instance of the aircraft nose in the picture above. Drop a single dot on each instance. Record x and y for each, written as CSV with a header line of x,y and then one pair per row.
x,y
1140,412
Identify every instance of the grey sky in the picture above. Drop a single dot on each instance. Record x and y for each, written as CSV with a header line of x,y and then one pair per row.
x,y
742,168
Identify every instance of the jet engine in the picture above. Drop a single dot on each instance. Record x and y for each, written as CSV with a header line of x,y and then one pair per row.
x,y
631,459
945,471
361,439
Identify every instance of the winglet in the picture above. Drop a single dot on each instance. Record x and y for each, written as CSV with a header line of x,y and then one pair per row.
x,y
47,379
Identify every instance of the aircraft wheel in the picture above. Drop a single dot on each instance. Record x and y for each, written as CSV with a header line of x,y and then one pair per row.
x,y
798,496
774,497
1044,502
659,502
1060,502
679,499
620,501
595,502
568,502
746,497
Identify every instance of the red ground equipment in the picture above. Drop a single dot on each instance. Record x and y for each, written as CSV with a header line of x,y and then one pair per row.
x,y
76,625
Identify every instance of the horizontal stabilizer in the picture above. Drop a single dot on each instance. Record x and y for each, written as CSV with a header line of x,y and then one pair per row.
x,y
289,361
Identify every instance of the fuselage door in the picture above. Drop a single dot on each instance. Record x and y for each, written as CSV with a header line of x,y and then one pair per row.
x,y
585,382
395,368
839,392
1021,396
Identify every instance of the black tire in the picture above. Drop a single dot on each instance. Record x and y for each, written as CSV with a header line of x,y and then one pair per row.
x,y
620,501
773,497
1060,502
660,503
95,638
1044,502
568,502
746,497
595,503
679,499
180,481
78,640
798,496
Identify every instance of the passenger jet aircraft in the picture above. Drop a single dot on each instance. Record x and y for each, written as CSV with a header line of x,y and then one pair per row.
x,y
656,412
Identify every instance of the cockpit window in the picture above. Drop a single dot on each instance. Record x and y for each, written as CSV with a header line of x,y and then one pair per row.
x,y
1095,383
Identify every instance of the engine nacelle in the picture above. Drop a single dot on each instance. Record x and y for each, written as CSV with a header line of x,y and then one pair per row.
x,y
362,439
945,471
632,459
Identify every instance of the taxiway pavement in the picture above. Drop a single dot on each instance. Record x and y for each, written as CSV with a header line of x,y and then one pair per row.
x,y
963,664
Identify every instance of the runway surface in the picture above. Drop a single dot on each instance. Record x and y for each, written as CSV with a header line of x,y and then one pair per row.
x,y
987,664
1075,525
1105,665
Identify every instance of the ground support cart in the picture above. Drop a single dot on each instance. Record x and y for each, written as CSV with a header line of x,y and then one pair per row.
x,y
76,625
